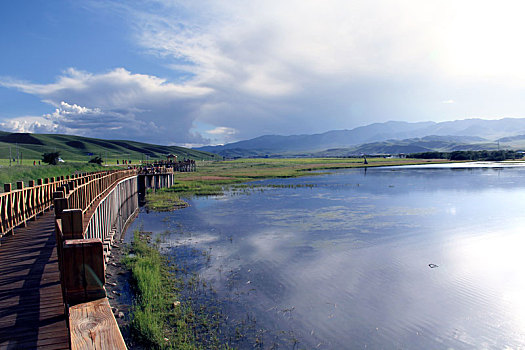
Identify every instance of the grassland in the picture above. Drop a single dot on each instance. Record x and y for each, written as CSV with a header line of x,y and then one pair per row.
x,y
30,147
27,148
241,170
212,178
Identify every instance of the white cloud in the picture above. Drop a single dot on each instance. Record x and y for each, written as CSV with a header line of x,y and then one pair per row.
x,y
221,135
297,66
283,66
222,130
116,104
448,101
30,124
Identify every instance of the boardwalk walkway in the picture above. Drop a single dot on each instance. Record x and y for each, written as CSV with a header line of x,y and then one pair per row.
x,y
31,306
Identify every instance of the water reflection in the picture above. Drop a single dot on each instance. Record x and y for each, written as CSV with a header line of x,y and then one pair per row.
x,y
345,264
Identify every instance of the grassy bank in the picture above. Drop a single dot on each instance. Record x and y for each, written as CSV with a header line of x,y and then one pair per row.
x,y
159,319
212,178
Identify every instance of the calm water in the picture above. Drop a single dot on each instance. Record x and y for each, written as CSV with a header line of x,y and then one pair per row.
x,y
345,264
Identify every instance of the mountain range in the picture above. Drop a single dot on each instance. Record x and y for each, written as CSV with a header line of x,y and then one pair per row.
x,y
385,138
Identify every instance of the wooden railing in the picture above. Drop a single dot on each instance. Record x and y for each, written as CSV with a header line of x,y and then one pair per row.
x,y
86,207
87,210
82,193
186,165
17,206
82,258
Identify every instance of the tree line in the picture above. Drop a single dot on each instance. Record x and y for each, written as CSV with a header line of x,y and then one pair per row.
x,y
469,155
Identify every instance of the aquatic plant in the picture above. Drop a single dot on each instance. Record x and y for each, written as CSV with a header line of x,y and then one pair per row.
x,y
160,319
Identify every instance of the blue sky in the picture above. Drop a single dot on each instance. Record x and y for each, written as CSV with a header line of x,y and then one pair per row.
x,y
209,72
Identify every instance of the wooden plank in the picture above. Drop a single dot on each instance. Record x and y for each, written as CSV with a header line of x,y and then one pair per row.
x,y
92,325
39,343
31,305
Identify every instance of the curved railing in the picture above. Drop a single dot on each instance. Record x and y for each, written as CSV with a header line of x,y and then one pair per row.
x,y
82,193
89,209
76,204
17,206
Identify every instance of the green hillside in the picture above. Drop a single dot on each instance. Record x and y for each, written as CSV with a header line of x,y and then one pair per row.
x,y
30,147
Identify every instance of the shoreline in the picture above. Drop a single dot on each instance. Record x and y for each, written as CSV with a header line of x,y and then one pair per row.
x,y
212,178
118,288
118,275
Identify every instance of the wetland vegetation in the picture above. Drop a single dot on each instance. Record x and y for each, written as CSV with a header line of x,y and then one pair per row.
x,y
160,320
213,177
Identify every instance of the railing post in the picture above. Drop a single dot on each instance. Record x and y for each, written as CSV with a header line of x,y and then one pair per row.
x,y
9,209
66,188
32,201
60,203
21,205
83,267
41,197
72,224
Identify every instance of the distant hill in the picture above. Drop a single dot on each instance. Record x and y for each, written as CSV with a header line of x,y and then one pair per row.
x,y
78,148
389,137
425,144
319,142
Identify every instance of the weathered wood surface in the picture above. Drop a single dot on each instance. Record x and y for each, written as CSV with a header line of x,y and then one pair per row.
x,y
31,305
93,326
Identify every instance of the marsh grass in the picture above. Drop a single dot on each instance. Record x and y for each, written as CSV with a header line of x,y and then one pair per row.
x,y
164,201
167,199
160,320
213,178
243,170
150,309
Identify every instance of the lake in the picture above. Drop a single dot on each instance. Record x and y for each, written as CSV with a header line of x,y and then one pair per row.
x,y
382,258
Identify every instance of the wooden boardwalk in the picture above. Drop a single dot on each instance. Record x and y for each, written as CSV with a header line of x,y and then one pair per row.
x,y
31,305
